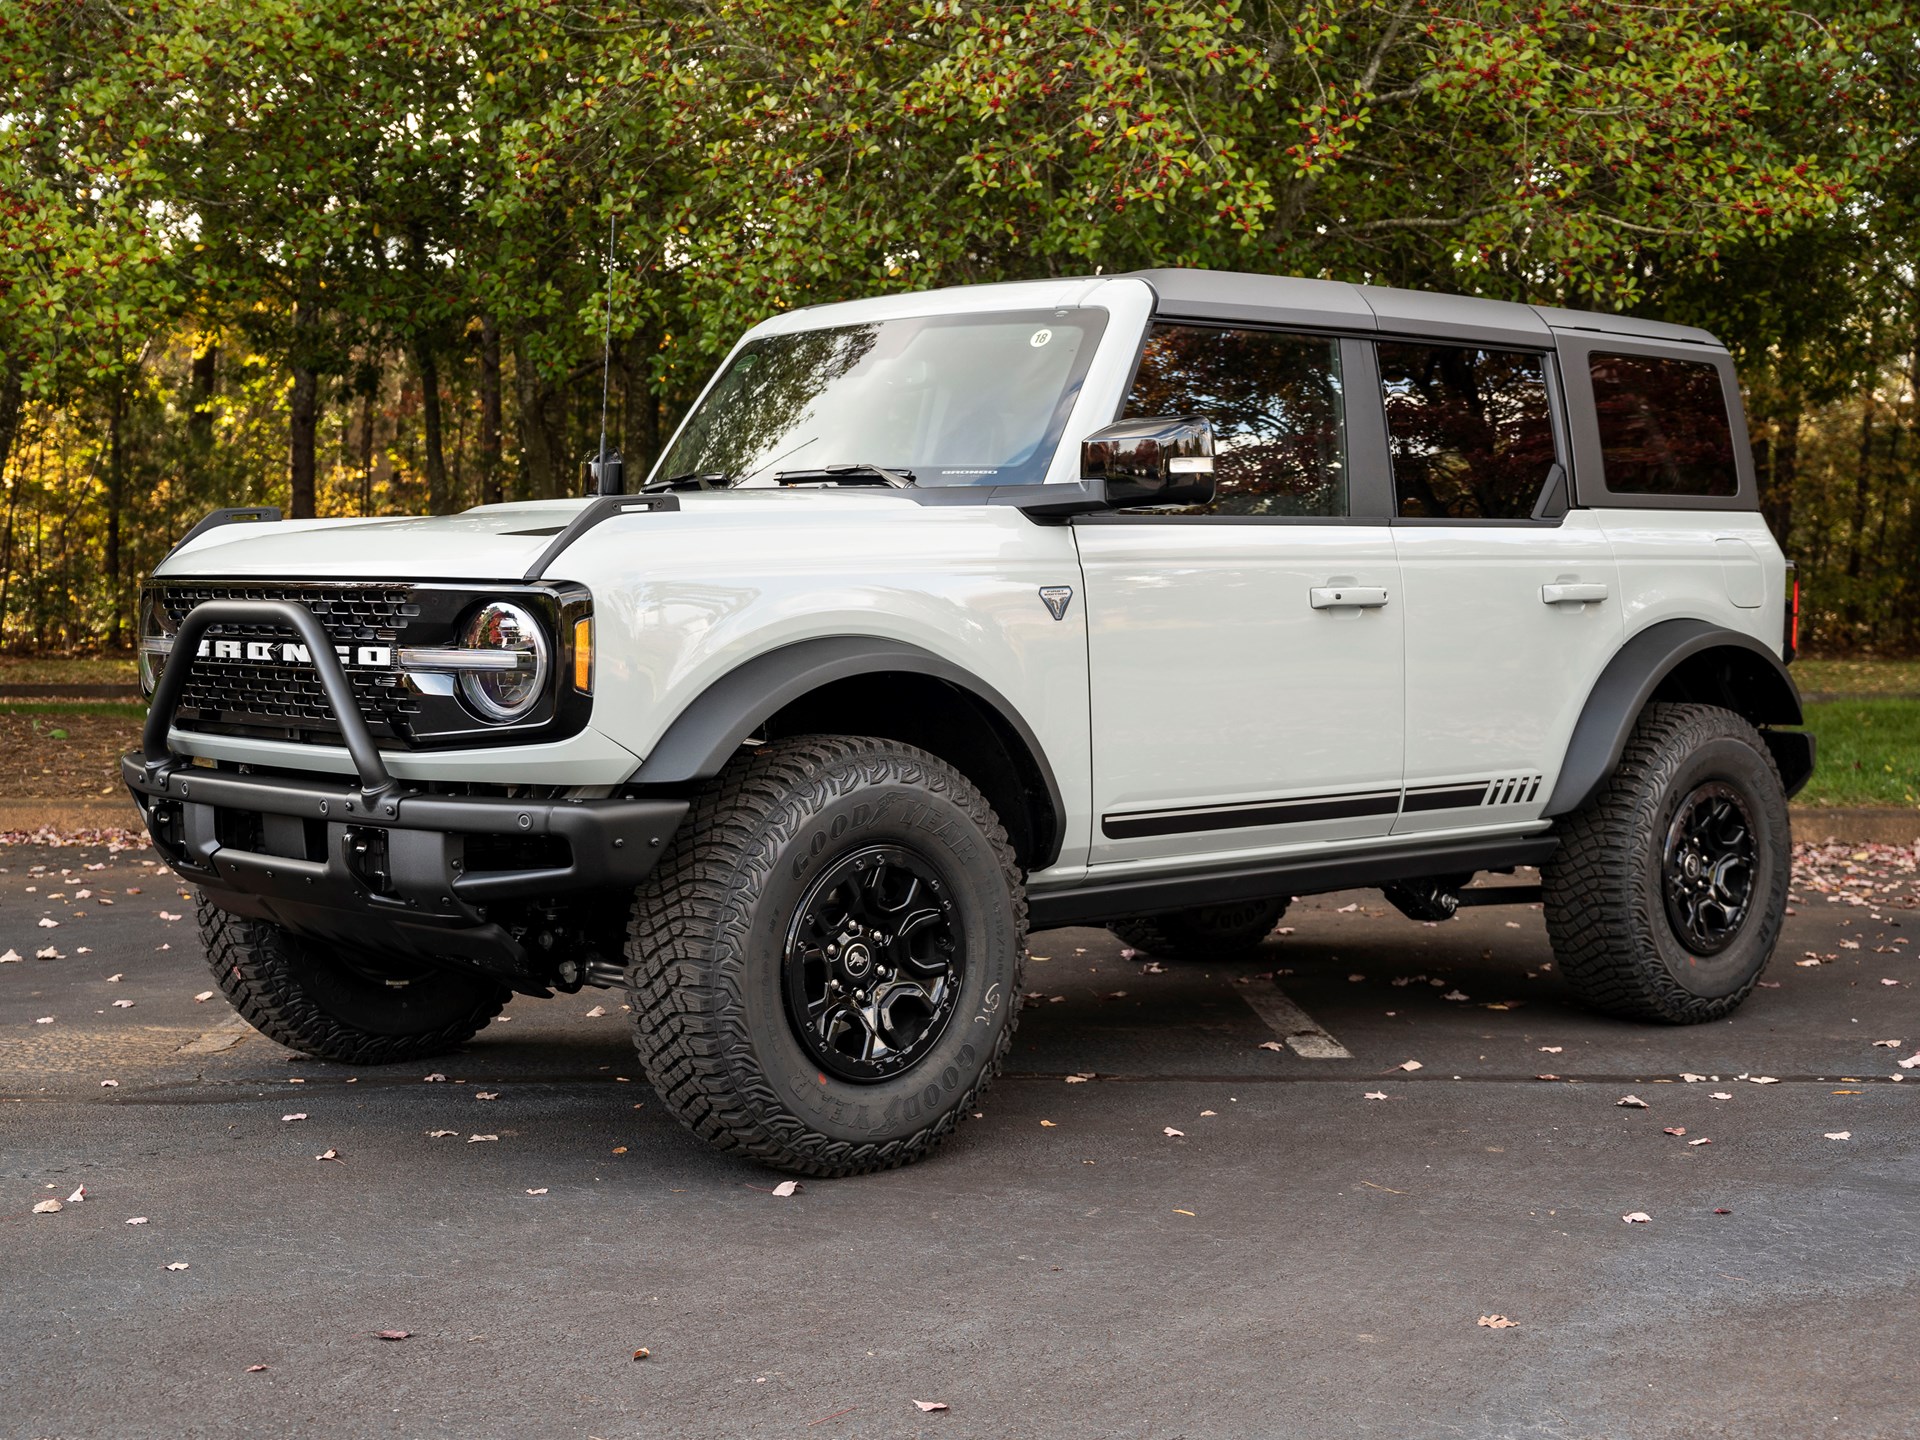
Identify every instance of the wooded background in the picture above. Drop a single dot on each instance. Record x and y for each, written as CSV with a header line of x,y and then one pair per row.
x,y
348,257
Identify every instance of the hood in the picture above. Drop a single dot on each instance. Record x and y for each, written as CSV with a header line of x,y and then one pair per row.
x,y
494,542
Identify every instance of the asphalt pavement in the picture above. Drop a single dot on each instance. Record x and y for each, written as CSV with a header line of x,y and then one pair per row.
x,y
1160,1226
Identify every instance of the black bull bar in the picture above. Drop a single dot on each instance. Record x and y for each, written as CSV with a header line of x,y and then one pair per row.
x,y
372,861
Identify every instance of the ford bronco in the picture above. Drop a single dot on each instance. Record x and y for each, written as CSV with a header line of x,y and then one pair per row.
x,y
1148,601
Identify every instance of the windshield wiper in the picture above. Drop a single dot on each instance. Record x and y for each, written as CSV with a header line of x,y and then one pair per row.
x,y
692,480
858,473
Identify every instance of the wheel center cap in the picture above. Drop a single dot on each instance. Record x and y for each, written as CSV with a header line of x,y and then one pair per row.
x,y
856,960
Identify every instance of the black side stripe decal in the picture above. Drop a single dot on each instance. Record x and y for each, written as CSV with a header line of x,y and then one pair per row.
x,y
1242,817
1446,797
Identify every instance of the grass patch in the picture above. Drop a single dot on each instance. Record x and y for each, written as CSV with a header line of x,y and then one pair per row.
x,y
89,670
1858,677
131,709
1868,753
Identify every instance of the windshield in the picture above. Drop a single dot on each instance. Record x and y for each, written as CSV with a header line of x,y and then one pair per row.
x,y
949,399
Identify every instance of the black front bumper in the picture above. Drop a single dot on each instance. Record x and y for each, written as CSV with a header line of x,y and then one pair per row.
x,y
371,861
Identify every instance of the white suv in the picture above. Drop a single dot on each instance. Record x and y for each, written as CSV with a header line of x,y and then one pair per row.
x,y
1148,601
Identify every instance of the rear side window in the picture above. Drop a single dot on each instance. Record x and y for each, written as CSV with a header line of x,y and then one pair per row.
x,y
1280,443
1470,430
1663,426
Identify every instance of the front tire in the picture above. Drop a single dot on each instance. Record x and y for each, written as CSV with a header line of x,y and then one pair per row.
x,y
338,1004
825,966
1667,894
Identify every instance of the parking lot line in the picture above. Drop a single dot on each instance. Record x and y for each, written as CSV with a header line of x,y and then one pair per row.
x,y
1303,1034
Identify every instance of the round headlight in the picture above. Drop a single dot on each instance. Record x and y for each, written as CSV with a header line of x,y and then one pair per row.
x,y
512,689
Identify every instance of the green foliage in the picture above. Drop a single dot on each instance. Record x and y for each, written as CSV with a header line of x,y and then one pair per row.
x,y
1869,753
313,252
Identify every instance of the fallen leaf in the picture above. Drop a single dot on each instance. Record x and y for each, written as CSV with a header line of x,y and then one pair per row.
x,y
1271,1045
1048,1125
1632,1102
596,1012
1546,1077
486,1094
137,1220
1356,978
50,952
1674,1130
333,1155
1722,1211
1808,964
541,1191
476,1139
10,958
931,1405
1408,1065
46,924
786,1188
255,1369
618,1149
1889,982
1703,1140
1205,1113
48,1020
642,1353
168,915
296,1115
109,1084
1912,1062
1763,1080
1839,1134
48,1207
1169,1130
123,1004
433,1079
201,999
1183,1212
1080,1079
1498,1322
392,1334
115,979
1638,1217
1691,1078
1376,1095
1720,1095
1886,1044
176,1265
1551,1049
1456,995
440,1134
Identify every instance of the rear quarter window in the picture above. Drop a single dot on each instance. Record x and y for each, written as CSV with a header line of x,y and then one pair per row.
x,y
1663,426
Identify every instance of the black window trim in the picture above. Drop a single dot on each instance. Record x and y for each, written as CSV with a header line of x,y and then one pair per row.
x,y
1557,420
1356,350
1590,488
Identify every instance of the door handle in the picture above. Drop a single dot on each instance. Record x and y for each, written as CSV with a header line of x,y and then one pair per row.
x,y
1359,597
1572,594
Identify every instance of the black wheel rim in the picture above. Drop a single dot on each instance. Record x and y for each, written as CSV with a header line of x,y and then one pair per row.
x,y
873,964
1707,867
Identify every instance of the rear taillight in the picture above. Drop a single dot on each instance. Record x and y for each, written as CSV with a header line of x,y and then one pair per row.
x,y
1790,636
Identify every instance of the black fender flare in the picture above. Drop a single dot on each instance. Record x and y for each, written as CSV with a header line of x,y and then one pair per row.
x,y
1755,684
708,732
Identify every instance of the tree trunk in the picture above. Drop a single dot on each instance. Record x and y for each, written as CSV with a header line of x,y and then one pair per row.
x,y
542,457
364,455
437,499
200,418
116,502
303,415
303,421
1862,484
490,476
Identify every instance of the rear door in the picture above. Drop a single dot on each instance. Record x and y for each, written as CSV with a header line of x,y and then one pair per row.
x,y
1512,598
1246,658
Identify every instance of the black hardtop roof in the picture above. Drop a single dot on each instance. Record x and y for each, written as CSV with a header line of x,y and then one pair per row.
x,y
1224,295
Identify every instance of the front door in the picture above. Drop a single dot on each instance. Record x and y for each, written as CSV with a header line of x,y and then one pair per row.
x,y
1246,658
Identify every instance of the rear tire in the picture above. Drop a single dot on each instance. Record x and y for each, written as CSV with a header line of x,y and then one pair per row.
x,y
1206,932
1667,894
825,966
335,1004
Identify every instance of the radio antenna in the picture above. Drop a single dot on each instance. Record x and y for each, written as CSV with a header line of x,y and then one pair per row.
x,y
607,468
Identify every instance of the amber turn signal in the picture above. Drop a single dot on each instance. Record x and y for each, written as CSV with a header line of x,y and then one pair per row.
x,y
583,656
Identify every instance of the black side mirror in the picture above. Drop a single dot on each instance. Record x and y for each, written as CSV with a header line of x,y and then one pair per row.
x,y
1162,460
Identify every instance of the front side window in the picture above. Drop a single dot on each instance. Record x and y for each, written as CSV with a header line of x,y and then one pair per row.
x,y
1470,430
1663,426
1275,404
951,399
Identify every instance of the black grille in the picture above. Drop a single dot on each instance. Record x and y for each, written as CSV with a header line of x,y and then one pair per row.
x,y
286,701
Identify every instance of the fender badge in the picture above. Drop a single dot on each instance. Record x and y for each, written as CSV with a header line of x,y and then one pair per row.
x,y
1057,598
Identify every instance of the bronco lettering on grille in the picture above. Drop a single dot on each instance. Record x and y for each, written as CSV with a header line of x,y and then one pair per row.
x,y
268,652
